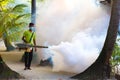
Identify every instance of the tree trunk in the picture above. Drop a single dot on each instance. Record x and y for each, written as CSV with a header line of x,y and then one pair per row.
x,y
100,69
6,73
33,11
7,42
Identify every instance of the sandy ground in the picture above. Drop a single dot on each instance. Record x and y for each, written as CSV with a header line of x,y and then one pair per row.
x,y
12,59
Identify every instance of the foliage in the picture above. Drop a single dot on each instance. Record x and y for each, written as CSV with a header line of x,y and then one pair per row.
x,y
41,0
116,55
12,19
115,58
5,2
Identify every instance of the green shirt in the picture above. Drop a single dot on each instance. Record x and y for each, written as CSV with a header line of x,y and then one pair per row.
x,y
27,35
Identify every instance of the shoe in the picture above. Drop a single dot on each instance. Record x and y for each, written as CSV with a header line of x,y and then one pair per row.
x,y
29,68
25,68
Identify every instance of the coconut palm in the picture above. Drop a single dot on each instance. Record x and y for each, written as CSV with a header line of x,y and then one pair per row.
x,y
12,20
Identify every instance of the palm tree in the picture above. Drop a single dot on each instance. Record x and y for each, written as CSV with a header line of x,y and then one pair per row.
x,y
100,69
12,20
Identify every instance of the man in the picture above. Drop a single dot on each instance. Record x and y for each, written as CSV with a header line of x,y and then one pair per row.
x,y
29,38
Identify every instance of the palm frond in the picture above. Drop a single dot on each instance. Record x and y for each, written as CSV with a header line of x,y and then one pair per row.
x,y
21,24
22,16
19,8
41,0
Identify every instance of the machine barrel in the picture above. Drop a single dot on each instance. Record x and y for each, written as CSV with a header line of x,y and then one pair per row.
x,y
24,46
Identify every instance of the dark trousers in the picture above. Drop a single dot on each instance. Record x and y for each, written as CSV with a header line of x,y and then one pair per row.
x,y
28,58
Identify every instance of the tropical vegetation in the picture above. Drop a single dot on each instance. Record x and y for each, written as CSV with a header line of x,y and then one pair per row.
x,y
13,19
115,58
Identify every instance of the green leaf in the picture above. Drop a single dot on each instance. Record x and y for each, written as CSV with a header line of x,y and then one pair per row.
x,y
21,16
19,8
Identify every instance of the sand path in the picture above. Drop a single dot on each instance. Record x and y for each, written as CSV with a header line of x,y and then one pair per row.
x,y
12,59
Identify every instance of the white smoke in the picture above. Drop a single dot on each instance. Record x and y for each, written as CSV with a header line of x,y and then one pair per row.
x,y
75,30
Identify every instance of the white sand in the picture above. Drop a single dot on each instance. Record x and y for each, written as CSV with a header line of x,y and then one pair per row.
x,y
12,59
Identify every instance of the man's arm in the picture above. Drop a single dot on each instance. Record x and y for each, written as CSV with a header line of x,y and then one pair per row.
x,y
23,38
